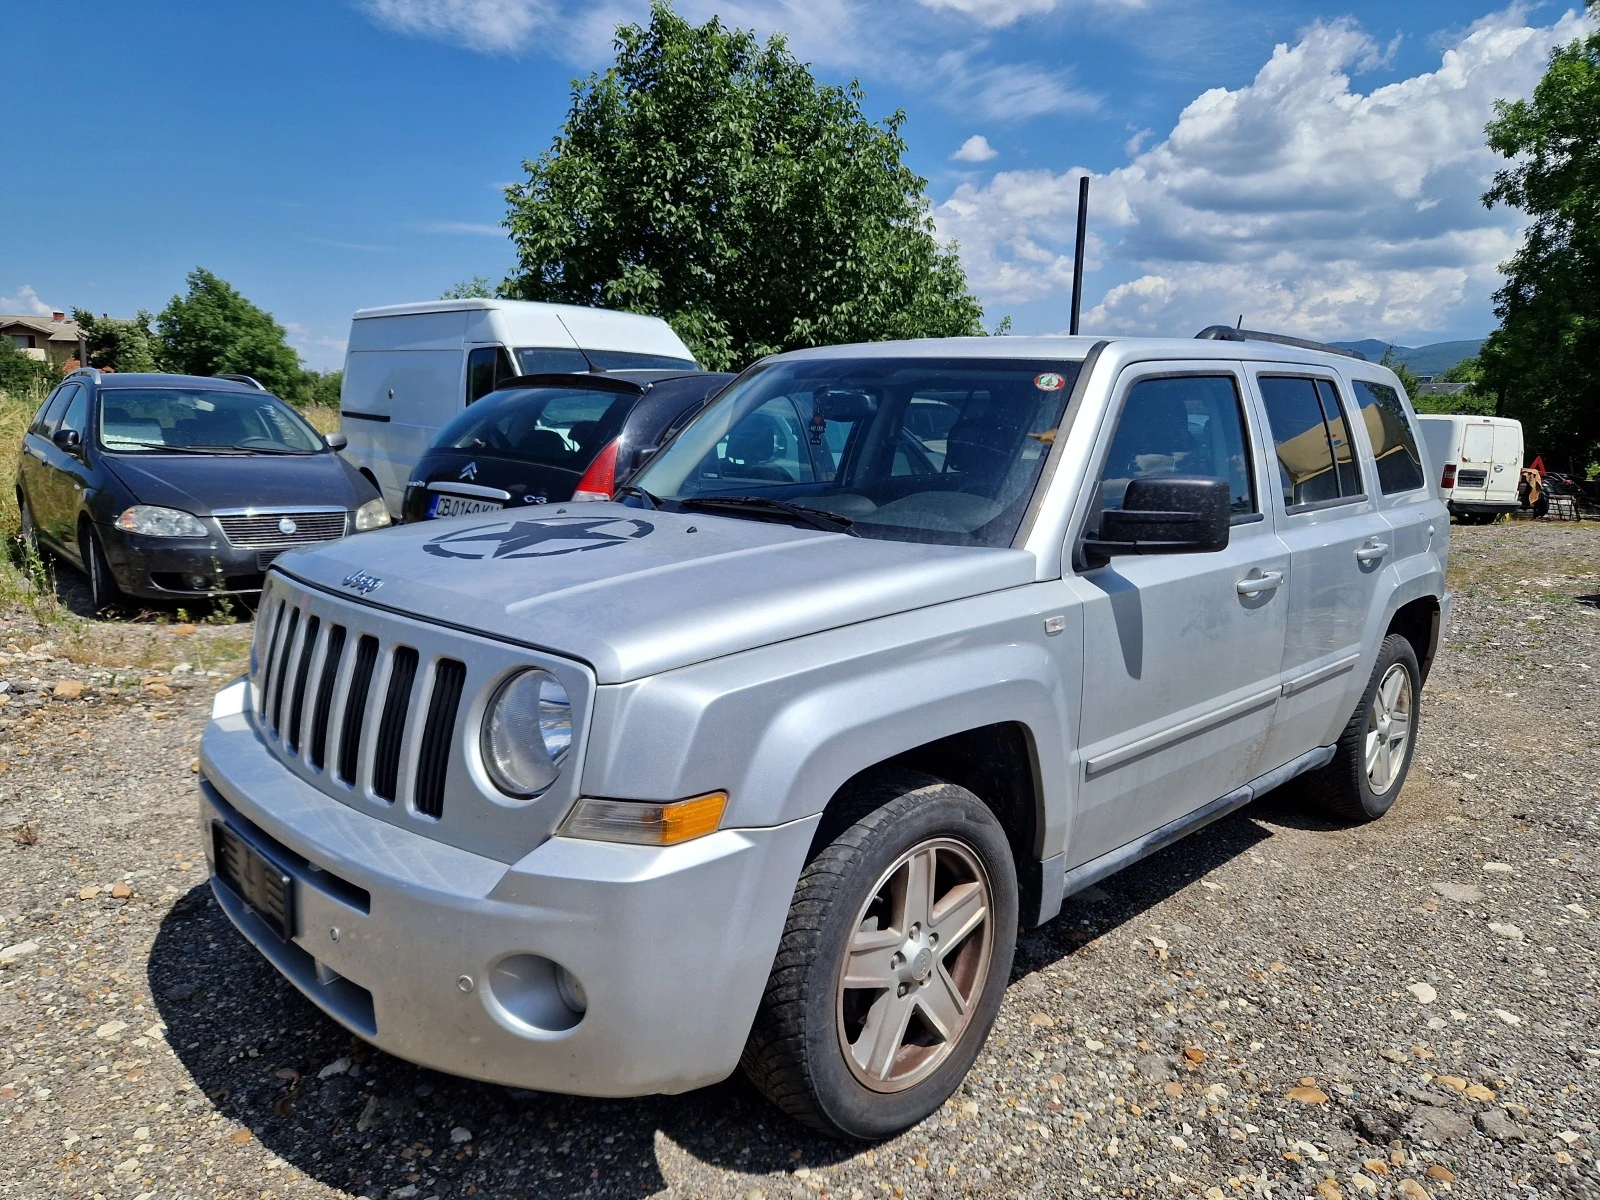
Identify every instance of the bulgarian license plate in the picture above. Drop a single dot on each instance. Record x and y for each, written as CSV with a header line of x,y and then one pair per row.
x,y
460,506
266,889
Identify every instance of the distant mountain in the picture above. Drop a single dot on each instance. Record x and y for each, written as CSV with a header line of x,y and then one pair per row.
x,y
1424,360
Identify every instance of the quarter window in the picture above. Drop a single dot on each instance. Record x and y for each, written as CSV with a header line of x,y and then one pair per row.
x,y
1394,442
1184,425
1316,462
49,418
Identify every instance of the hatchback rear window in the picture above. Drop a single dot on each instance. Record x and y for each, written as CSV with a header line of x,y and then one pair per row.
x,y
551,426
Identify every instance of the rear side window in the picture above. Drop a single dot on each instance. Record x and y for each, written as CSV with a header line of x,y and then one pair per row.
x,y
1186,425
1316,463
554,427
1394,441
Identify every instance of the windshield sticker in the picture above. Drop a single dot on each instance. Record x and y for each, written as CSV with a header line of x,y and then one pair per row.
x,y
1049,382
536,539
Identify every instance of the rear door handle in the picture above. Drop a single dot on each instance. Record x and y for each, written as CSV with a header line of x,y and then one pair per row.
x,y
1372,552
1254,585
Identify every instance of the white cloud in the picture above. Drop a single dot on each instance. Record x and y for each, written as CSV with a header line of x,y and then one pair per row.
x,y
995,13
1297,200
25,303
1007,91
475,228
486,25
975,149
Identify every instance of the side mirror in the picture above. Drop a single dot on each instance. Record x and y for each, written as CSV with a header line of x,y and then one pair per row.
x,y
336,441
1165,514
67,439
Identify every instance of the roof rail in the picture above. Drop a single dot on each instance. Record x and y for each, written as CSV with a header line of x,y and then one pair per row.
x,y
1227,333
92,372
255,383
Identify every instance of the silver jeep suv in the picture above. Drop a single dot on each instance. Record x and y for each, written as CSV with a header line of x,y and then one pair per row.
x,y
764,762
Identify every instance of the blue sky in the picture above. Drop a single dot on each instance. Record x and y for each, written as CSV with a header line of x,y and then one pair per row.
x,y
1315,166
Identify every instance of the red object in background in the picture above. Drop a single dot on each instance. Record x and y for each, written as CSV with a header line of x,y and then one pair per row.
x,y
1538,464
600,480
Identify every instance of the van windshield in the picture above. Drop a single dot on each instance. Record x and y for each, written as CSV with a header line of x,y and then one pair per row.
x,y
557,360
944,450
551,426
150,420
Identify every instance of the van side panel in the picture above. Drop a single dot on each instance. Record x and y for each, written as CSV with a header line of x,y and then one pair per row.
x,y
413,331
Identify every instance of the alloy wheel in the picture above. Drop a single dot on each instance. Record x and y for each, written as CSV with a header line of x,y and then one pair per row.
x,y
915,965
1389,722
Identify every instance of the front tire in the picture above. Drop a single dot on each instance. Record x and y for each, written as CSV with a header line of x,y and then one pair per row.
x,y
893,962
1373,754
104,593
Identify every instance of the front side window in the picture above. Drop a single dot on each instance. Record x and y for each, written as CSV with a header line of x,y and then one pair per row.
x,y
487,369
1394,441
944,450
150,420
552,426
1182,425
77,414
1316,463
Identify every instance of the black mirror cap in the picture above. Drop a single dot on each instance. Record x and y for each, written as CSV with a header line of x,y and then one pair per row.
x,y
336,441
67,439
1166,514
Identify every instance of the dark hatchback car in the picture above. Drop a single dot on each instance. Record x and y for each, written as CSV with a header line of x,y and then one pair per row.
x,y
540,439
177,486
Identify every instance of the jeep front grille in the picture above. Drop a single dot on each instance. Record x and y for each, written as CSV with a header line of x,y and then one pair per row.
x,y
282,528
313,704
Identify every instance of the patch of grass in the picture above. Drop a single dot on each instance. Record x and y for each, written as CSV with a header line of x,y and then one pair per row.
x,y
16,412
324,418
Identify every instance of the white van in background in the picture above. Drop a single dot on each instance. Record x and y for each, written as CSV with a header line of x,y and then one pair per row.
x,y
1479,460
411,367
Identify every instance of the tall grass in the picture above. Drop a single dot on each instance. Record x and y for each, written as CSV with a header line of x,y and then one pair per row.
x,y
16,411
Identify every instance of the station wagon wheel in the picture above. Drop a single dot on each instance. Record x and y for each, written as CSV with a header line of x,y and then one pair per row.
x,y
893,961
1388,740
1373,754
30,531
919,952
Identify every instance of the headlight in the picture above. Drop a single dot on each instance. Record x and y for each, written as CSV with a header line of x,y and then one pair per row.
x,y
527,733
155,521
374,514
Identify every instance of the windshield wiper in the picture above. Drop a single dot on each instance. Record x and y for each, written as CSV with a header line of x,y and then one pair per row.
x,y
814,517
122,444
629,489
268,450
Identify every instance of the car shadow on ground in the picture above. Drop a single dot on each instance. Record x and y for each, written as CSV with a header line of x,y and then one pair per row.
x,y
359,1120
72,593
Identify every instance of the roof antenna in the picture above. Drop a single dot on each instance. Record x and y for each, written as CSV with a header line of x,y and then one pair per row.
x,y
1077,256
589,362
1240,325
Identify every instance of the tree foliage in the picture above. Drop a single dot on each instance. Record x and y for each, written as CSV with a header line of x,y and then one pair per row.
x,y
213,330
708,178
22,377
120,345
469,289
1543,362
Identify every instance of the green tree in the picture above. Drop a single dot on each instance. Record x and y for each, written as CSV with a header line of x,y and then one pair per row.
x,y
213,330
23,378
322,387
708,178
120,345
1407,377
1543,363
469,289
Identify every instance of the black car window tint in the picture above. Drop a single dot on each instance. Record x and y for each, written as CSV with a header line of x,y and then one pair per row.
x,y
37,425
556,427
76,417
1300,435
1394,441
1333,411
50,418
1183,425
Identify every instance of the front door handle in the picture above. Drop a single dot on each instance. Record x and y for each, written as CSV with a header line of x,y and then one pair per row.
x,y
1372,552
1254,585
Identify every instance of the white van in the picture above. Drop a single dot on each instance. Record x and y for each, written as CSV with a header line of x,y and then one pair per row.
x,y
411,367
1479,461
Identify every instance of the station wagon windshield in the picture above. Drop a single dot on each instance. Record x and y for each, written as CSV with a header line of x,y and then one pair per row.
x,y
153,420
944,450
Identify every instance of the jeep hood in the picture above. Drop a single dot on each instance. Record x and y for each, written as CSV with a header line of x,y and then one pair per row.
x,y
633,592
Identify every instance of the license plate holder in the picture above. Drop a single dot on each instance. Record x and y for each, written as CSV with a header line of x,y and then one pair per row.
x,y
266,889
445,505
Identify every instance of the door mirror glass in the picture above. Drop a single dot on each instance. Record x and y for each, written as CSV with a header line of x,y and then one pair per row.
x,y
1165,514
67,439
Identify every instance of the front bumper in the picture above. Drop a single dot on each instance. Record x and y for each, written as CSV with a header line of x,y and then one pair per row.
x,y
672,946
158,567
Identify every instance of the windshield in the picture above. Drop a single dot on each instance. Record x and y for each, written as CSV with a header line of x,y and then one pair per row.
x,y
552,426
926,450
546,360
149,420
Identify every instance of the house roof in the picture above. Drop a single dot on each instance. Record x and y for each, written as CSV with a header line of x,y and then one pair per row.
x,y
55,331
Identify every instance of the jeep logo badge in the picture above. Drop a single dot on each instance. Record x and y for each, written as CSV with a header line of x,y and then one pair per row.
x,y
537,539
362,582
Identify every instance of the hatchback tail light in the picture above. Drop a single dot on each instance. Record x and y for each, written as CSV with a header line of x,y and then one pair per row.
x,y
1447,480
600,480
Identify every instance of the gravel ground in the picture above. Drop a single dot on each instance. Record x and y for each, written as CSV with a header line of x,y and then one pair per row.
x,y
1280,1006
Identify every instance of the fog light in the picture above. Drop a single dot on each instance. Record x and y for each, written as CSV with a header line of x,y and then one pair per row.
x,y
199,583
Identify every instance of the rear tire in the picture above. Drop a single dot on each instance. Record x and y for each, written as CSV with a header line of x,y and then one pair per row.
x,y
1373,754
104,593
919,892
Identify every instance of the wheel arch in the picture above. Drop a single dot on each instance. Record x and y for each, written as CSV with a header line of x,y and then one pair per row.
x,y
1418,622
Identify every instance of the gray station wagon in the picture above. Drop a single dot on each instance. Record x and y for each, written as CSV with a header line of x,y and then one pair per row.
x,y
764,762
